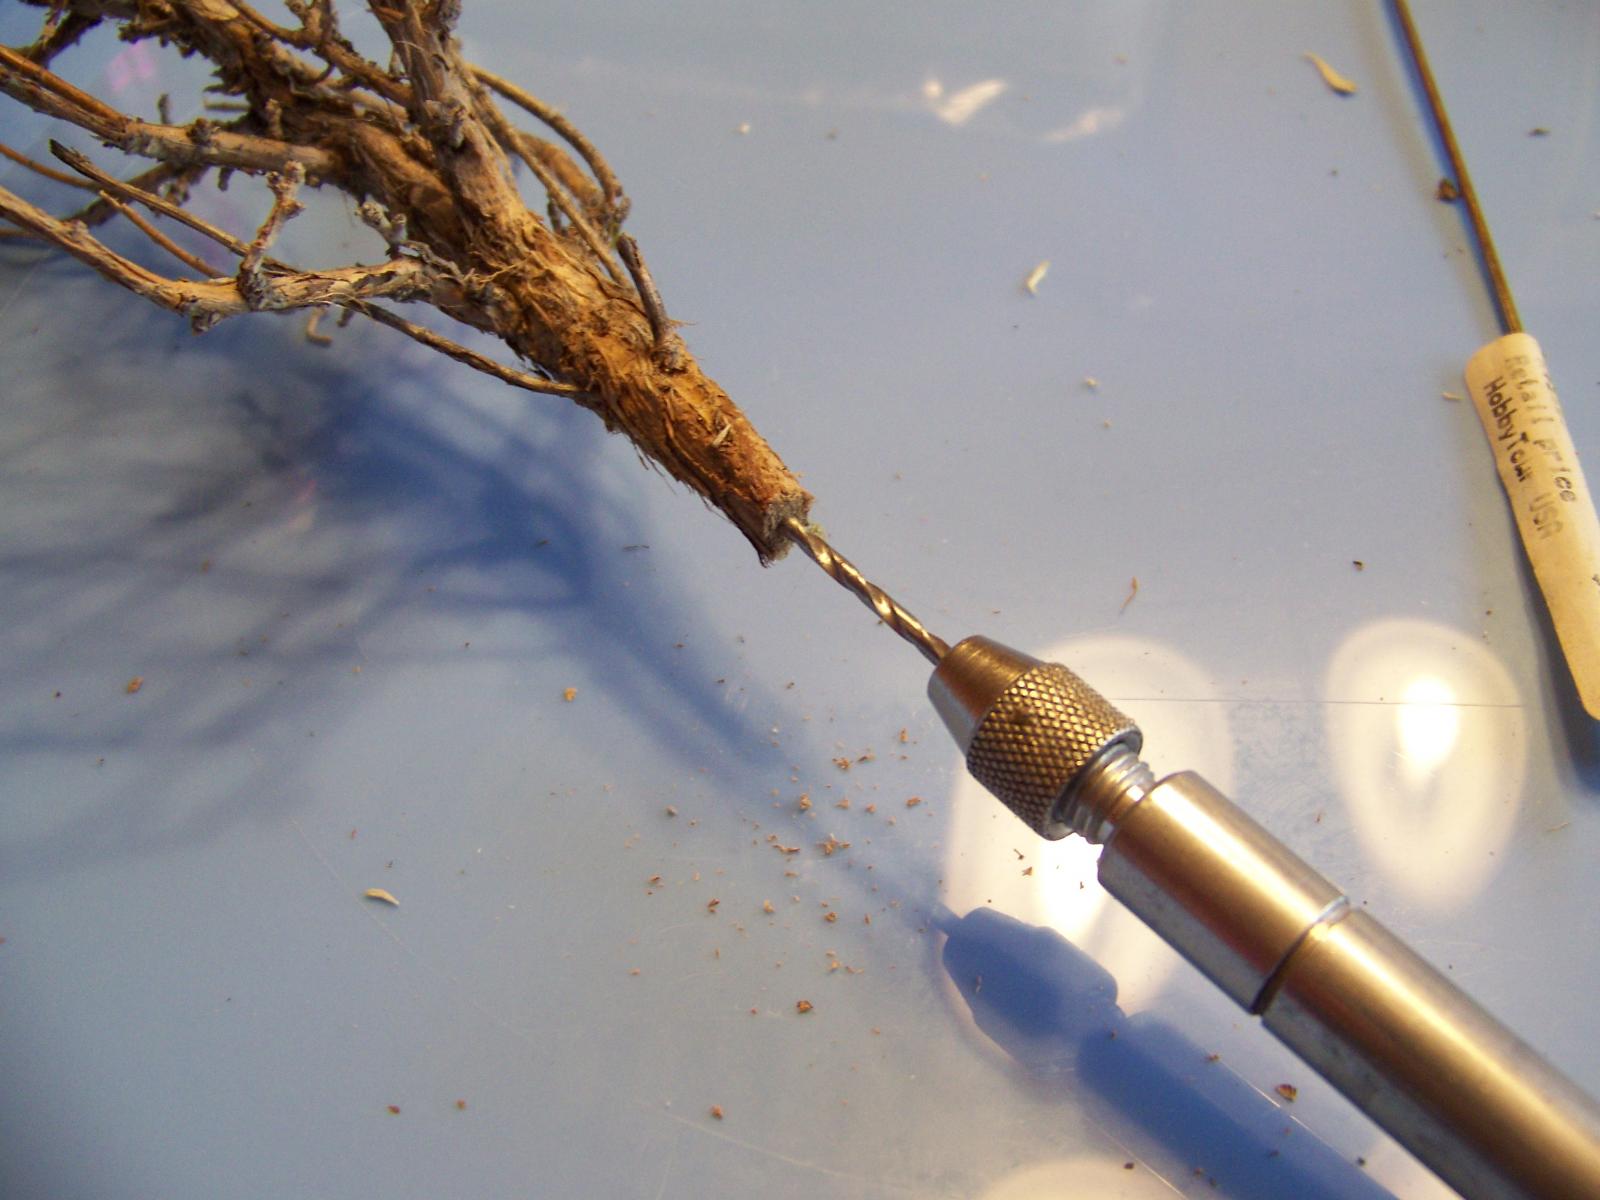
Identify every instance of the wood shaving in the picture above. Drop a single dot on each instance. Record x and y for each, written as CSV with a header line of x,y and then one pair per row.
x,y
832,845
716,1112
913,801
1036,277
570,695
1288,1091
1133,590
803,1006
134,684
766,906
394,1110
380,894
1332,78
1447,191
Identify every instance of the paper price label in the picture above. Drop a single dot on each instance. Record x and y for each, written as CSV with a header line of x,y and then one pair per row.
x,y
1555,515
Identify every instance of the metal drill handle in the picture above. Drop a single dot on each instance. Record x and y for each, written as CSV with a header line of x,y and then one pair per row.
x,y
1410,1049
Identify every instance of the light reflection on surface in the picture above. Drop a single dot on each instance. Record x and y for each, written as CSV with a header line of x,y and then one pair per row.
x,y
1100,119
959,107
1070,1178
983,868
1429,746
1429,726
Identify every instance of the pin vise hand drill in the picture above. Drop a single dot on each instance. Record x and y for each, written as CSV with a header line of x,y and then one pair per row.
x,y
1414,1052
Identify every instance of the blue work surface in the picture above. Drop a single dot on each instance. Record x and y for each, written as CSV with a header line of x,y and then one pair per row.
x,y
401,627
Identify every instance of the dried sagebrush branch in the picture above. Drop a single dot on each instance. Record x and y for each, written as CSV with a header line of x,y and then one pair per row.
x,y
425,151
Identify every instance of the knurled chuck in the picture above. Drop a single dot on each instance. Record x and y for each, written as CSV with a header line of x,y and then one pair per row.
x,y
1031,730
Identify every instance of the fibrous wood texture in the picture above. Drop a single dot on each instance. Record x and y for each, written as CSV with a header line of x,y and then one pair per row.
x,y
423,149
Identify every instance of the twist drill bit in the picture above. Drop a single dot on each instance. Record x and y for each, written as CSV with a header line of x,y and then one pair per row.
x,y
843,572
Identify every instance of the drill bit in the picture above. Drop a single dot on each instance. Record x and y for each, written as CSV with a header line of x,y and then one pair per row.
x,y
1506,306
843,572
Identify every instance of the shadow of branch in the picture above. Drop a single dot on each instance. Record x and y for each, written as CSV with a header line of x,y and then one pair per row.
x,y
264,517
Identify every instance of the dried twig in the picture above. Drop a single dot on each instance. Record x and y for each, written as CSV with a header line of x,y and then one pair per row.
x,y
668,344
131,190
253,280
312,335
610,188
199,141
61,30
155,235
174,180
461,354
38,168
423,149
207,302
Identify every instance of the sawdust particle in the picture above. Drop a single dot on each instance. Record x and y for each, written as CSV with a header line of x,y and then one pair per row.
x,y
1332,78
